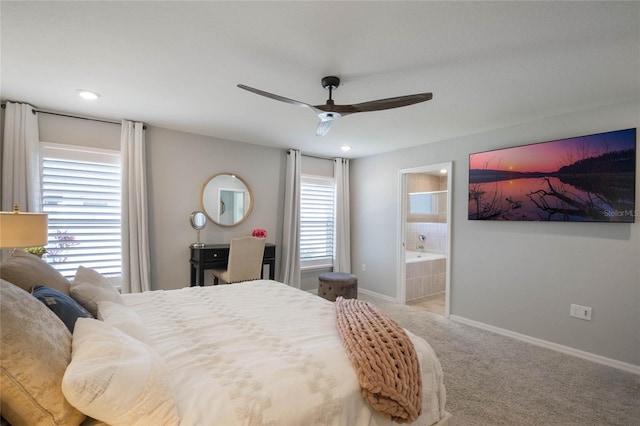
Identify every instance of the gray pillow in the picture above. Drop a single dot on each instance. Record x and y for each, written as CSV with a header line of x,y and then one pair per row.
x,y
36,350
26,271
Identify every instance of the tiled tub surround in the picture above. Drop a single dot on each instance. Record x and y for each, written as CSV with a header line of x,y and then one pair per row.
x,y
435,237
425,274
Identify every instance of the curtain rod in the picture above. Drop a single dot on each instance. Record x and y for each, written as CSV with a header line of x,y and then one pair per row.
x,y
34,111
315,156
318,156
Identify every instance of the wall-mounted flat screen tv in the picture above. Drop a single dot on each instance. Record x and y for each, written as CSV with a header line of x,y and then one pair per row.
x,y
583,179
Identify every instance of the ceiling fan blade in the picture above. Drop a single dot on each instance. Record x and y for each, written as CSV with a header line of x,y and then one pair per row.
x,y
378,105
330,112
276,97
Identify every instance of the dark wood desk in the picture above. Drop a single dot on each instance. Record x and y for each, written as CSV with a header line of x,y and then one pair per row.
x,y
216,256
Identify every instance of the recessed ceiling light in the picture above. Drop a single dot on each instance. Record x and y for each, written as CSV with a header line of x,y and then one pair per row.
x,y
443,171
345,148
88,94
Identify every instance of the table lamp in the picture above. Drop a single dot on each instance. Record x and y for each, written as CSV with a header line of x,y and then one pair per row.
x,y
21,229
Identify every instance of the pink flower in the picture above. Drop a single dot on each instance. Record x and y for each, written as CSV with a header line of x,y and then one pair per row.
x,y
259,233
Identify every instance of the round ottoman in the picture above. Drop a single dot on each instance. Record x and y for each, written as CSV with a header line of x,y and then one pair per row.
x,y
334,284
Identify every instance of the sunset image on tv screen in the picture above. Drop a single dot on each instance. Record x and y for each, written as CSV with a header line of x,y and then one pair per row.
x,y
582,179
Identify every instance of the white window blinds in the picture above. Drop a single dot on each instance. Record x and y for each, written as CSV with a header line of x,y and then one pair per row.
x,y
317,200
81,194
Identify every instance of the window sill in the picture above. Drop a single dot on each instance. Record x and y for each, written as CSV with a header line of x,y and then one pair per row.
x,y
316,267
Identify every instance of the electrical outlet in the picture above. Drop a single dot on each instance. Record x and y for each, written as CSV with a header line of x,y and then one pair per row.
x,y
364,267
579,311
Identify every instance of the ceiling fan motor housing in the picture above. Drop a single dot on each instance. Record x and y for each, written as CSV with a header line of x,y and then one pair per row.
x,y
330,82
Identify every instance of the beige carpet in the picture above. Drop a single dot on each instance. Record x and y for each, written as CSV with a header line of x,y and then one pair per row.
x,y
495,380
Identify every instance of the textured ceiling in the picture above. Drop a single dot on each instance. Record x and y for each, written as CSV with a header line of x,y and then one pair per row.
x,y
176,65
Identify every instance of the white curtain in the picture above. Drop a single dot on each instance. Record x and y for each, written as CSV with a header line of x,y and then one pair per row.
x,y
342,260
21,159
135,234
290,266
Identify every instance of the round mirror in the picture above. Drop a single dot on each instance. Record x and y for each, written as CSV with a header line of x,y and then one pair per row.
x,y
198,220
227,199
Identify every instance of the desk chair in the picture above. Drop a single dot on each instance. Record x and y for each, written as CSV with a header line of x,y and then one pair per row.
x,y
245,261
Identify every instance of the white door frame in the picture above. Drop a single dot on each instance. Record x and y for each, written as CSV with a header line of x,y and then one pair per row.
x,y
402,223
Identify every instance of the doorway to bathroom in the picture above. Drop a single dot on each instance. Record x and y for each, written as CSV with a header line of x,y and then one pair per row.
x,y
424,237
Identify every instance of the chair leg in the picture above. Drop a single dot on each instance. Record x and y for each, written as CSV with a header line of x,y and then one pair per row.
x,y
215,280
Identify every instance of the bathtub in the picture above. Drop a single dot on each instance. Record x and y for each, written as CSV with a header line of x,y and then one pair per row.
x,y
425,274
418,256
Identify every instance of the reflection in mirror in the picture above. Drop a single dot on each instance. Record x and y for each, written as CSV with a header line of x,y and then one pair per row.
x,y
227,199
198,221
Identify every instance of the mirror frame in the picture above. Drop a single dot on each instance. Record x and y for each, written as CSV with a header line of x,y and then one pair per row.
x,y
246,185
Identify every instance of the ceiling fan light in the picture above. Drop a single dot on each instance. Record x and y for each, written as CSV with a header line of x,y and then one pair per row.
x,y
323,127
329,116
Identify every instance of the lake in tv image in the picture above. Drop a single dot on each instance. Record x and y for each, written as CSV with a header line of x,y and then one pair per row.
x,y
582,179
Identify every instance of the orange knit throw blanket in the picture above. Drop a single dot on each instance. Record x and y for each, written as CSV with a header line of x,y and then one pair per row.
x,y
384,359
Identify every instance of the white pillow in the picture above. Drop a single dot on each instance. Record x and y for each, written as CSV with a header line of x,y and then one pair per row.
x,y
123,318
117,379
89,287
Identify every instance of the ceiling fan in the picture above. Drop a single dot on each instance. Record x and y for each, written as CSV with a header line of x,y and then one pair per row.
x,y
330,112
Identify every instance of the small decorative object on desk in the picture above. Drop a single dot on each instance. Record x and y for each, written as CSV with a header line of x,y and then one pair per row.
x,y
259,233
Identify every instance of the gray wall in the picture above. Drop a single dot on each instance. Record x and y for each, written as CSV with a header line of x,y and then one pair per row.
x,y
73,131
519,276
178,164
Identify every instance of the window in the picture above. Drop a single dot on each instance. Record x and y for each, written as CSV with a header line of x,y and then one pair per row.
x,y
317,200
81,194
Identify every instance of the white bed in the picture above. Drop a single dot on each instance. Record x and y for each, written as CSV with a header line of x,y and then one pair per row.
x,y
262,352
253,353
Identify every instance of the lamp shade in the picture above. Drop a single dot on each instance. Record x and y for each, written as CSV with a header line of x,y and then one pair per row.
x,y
19,230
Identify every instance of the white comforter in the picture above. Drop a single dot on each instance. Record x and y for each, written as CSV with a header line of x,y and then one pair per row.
x,y
264,353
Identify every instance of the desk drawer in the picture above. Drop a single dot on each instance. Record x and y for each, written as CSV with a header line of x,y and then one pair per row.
x,y
215,255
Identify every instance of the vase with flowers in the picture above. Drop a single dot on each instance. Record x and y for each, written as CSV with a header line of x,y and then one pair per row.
x,y
259,233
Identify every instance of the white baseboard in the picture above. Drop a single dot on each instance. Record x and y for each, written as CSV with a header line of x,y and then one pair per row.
x,y
630,368
378,295
364,291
